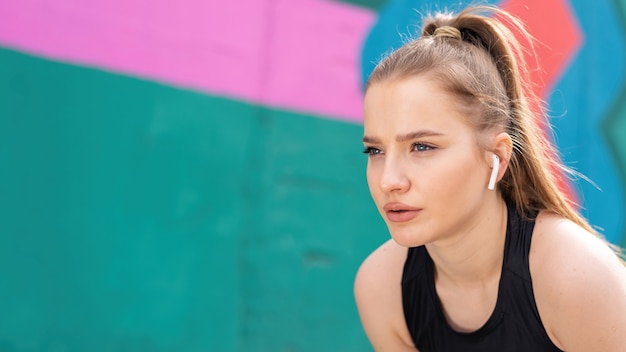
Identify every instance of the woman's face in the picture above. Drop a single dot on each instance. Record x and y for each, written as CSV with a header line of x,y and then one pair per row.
x,y
425,170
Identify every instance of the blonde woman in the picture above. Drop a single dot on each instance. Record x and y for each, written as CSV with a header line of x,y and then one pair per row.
x,y
486,254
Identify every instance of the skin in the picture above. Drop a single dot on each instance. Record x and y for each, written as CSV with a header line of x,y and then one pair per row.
x,y
423,153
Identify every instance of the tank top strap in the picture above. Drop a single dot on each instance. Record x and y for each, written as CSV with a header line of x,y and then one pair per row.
x,y
518,239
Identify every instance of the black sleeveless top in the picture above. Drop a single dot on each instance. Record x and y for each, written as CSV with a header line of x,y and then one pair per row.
x,y
514,324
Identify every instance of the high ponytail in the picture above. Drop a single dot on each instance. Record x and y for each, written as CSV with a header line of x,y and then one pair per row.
x,y
476,57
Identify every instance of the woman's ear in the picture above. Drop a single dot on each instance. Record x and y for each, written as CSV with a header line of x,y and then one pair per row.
x,y
503,148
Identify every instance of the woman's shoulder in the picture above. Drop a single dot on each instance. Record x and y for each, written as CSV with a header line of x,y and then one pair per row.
x,y
377,290
388,257
579,285
380,274
559,243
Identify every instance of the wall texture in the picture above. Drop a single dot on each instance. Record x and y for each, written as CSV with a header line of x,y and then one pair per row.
x,y
187,176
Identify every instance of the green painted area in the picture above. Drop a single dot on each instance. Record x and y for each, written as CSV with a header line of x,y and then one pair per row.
x,y
140,217
372,4
614,127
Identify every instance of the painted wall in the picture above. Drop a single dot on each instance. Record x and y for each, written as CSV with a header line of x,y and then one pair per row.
x,y
187,176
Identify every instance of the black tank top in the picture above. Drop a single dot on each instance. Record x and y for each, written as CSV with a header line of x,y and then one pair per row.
x,y
514,324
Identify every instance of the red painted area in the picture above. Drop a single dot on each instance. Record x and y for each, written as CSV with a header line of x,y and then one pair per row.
x,y
558,36
559,39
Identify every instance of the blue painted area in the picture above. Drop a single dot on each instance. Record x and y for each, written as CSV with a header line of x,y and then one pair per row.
x,y
398,20
580,102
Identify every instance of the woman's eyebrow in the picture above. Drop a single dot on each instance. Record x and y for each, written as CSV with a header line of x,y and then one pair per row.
x,y
405,137
371,140
417,134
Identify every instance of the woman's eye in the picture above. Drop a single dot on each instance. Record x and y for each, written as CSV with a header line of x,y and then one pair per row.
x,y
372,151
421,147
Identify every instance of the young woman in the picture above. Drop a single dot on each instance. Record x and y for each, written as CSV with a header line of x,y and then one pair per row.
x,y
486,254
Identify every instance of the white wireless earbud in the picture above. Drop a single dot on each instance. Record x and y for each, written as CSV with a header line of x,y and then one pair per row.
x,y
494,173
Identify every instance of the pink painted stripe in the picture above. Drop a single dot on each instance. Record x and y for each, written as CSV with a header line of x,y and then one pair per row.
x,y
301,55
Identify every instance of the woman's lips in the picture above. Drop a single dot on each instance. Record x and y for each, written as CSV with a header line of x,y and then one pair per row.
x,y
400,212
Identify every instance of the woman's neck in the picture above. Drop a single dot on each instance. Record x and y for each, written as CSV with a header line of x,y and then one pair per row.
x,y
474,256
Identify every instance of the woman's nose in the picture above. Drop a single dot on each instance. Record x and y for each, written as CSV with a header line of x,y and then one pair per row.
x,y
394,177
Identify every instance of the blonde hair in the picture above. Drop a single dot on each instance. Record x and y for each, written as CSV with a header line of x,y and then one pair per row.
x,y
479,60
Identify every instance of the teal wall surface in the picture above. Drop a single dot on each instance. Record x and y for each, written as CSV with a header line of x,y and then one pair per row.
x,y
140,217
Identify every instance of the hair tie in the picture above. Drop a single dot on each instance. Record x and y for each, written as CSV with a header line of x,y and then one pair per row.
x,y
447,32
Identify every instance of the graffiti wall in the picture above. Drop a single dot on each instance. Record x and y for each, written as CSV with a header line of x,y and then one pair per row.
x,y
187,176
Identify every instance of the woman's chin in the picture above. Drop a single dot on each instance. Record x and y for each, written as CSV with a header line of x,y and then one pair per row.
x,y
407,240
